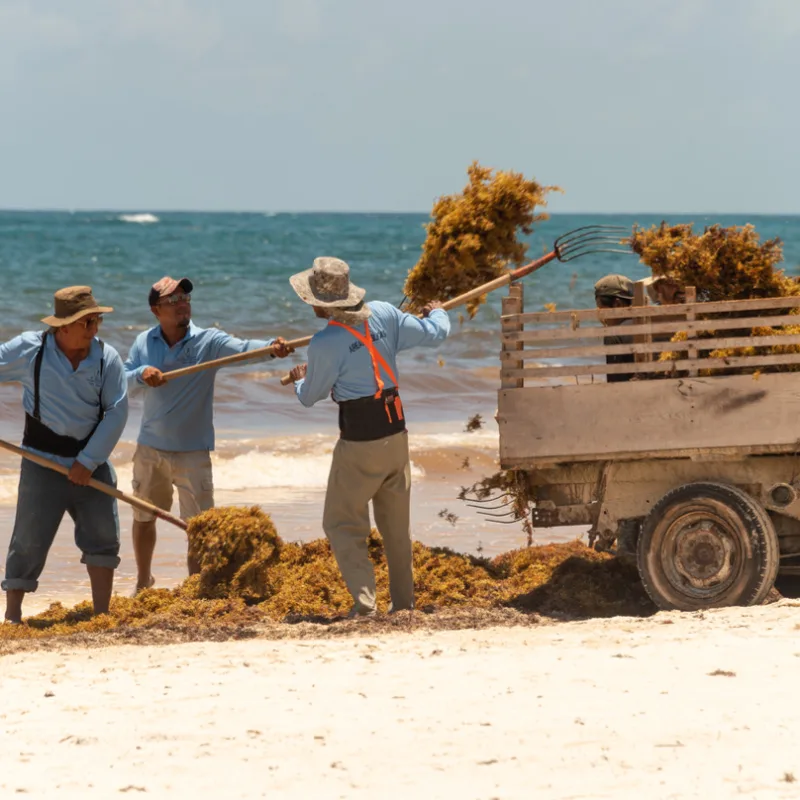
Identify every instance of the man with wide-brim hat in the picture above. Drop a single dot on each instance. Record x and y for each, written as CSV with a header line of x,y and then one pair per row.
x,y
76,406
353,359
176,436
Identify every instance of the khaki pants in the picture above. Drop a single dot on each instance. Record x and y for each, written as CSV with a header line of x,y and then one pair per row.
x,y
155,472
379,471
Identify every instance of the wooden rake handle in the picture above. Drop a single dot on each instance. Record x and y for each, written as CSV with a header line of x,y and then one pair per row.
x,y
250,355
478,291
142,505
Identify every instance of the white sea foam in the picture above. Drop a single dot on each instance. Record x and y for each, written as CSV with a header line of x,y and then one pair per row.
x,y
141,219
281,466
249,471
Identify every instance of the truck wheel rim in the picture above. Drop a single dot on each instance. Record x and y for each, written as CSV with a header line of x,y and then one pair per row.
x,y
703,553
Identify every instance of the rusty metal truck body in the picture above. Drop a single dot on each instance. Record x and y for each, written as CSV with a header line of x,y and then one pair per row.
x,y
692,464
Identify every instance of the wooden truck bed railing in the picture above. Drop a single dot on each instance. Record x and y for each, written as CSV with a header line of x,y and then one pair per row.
x,y
553,412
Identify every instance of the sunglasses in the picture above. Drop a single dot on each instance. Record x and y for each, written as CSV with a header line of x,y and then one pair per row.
x,y
91,322
174,299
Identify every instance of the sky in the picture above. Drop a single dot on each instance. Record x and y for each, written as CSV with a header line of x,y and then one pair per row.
x,y
371,105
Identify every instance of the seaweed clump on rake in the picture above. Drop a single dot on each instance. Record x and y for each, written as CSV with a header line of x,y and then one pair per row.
x,y
235,549
722,264
472,237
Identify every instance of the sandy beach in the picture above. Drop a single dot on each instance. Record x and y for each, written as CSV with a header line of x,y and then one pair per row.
x,y
672,706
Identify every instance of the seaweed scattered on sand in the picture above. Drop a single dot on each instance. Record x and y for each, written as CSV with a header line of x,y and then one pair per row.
x,y
262,580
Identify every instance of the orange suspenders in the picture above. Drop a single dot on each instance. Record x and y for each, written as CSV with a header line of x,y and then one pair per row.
x,y
376,359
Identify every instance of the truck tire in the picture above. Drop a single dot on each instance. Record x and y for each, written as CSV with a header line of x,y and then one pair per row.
x,y
706,545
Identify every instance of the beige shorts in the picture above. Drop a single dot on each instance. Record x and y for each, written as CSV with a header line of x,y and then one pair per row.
x,y
155,472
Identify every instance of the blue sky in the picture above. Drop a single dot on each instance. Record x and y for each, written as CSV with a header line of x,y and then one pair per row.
x,y
370,105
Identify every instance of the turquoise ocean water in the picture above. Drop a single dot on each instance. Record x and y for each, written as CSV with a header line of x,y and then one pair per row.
x,y
240,264
271,450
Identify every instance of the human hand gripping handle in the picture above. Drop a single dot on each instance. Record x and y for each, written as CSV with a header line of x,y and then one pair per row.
x,y
296,373
432,306
79,475
153,377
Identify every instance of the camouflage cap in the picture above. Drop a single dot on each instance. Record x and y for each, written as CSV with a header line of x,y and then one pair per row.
x,y
327,284
614,286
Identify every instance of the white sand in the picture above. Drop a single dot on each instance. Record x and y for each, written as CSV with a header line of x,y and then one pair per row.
x,y
599,709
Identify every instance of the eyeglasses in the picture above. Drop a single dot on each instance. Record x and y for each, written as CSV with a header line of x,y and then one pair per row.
x,y
91,322
174,299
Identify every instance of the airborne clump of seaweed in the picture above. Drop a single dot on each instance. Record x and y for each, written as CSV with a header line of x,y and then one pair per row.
x,y
472,237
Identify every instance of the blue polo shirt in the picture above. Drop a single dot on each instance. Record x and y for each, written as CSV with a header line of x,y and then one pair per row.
x,y
70,399
338,361
179,416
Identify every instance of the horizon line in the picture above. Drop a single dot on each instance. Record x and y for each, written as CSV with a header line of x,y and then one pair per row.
x,y
270,212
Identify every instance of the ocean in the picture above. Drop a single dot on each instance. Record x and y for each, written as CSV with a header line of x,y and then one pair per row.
x,y
271,450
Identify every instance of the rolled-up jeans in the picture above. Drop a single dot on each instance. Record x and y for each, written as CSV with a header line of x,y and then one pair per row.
x,y
43,497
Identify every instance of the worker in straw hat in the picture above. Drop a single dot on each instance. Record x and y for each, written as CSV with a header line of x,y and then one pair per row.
x,y
76,406
354,359
177,431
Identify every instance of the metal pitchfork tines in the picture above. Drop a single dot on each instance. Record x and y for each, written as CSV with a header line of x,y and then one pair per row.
x,y
588,240
584,241
484,509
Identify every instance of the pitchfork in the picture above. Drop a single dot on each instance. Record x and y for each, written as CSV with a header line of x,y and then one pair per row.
x,y
588,240
584,241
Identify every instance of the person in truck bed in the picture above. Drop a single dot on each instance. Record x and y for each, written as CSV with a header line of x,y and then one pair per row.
x,y
615,291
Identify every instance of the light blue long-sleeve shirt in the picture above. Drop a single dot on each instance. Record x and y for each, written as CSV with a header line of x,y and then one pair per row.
x,y
338,361
179,416
70,399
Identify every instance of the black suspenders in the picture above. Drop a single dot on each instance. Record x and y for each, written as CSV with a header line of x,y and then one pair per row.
x,y
37,373
37,435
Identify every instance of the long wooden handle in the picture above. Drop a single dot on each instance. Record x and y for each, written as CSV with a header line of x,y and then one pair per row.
x,y
250,355
479,291
99,485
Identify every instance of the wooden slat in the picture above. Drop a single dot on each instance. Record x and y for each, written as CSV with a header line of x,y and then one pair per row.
x,y
654,368
579,315
639,300
691,299
656,347
695,453
513,305
614,420
564,334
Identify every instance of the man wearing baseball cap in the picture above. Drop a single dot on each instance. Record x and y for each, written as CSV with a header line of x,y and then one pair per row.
x,y
177,430
76,405
615,291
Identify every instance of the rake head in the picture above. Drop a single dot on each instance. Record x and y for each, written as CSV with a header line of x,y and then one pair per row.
x,y
498,501
591,239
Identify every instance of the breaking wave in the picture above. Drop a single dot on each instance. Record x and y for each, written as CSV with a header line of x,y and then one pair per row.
x,y
141,219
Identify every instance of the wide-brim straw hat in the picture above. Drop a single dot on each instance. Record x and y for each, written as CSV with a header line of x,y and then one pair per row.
x,y
327,284
73,303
